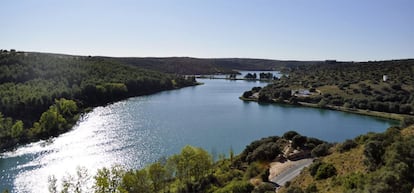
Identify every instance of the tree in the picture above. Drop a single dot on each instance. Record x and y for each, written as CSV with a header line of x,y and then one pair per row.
x,y
347,145
298,141
320,150
136,182
407,121
108,180
70,183
157,174
17,130
52,187
247,94
373,154
294,189
290,134
67,108
324,171
51,122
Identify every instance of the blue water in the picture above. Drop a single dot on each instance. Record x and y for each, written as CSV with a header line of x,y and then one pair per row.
x,y
140,130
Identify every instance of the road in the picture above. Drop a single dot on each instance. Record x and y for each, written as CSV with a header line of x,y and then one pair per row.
x,y
291,172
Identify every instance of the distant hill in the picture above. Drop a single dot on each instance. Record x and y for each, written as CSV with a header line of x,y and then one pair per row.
x,y
187,65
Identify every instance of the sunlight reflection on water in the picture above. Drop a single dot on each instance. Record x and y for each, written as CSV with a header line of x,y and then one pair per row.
x,y
94,143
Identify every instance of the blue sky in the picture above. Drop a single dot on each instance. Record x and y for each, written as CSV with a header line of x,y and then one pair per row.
x,y
276,29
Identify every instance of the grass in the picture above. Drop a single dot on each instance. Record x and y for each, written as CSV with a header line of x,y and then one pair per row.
x,y
408,132
345,163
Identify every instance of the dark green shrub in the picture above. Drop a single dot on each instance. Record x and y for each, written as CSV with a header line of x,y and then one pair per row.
x,y
256,89
252,171
264,187
311,189
320,150
298,141
407,121
347,145
290,134
313,168
325,170
247,94
373,154
294,189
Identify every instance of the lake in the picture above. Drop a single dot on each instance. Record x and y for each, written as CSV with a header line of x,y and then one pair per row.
x,y
140,130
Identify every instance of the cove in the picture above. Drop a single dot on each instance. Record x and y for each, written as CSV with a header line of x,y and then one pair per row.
x,y
141,130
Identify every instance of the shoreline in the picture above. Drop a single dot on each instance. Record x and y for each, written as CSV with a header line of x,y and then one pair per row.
x,y
85,110
384,115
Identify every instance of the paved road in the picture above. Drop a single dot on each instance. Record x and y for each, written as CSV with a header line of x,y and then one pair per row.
x,y
291,172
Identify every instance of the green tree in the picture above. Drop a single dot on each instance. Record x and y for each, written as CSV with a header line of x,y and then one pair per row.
x,y
294,189
347,145
71,184
290,134
298,141
108,180
136,182
158,175
320,150
17,130
325,171
51,122
67,108
373,154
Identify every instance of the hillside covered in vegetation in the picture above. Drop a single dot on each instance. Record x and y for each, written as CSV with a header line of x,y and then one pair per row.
x,y
375,162
384,86
42,95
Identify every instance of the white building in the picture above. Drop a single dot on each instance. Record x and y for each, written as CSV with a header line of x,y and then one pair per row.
x,y
384,78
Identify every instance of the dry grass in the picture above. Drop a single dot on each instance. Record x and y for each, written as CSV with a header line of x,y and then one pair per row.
x,y
408,132
345,163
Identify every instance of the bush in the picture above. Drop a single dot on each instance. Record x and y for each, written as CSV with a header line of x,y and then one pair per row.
x,y
264,98
236,187
313,168
373,154
313,142
311,189
354,181
256,89
290,134
265,175
298,141
407,121
347,145
254,149
265,152
294,189
325,170
264,187
252,171
320,150
247,94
